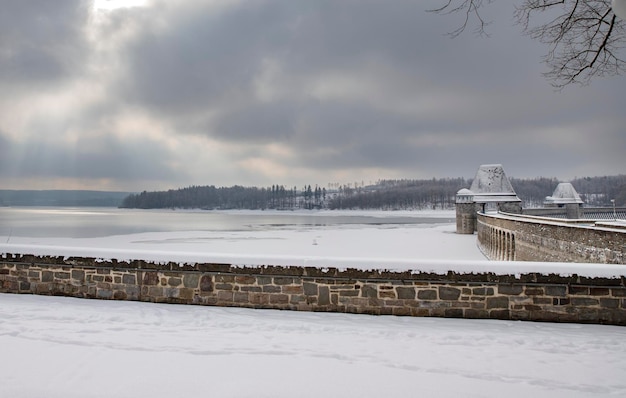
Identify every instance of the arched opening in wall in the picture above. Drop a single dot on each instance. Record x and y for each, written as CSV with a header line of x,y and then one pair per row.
x,y
512,247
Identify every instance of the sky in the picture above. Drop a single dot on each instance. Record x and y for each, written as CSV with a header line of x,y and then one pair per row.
x,y
159,95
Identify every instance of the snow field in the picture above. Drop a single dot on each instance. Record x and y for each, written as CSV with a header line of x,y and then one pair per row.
x,y
64,347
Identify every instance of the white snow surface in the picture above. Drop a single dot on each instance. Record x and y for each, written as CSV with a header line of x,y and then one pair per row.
x,y
59,347
432,247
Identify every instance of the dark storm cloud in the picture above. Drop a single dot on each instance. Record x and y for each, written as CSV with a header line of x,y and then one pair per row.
x,y
341,84
41,41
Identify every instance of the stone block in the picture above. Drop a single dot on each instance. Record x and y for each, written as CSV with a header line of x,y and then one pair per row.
x,y
259,298
224,296
224,278
588,315
404,311
534,291
149,278
609,303
78,275
579,290
191,280
264,280
245,280
186,293
414,311
129,279
297,299
369,291
206,283
618,292
449,293
256,289
132,292
241,297
324,295
428,294
510,290
405,293
282,280
279,299
453,313
310,289
559,291
104,294
174,282
482,291
271,289
500,314
584,301
497,302
349,293
297,289
599,291
473,313
62,275
155,291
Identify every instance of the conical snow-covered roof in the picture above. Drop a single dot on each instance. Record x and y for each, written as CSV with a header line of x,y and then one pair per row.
x,y
492,185
564,193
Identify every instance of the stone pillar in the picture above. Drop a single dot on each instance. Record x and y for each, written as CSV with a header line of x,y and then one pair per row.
x,y
573,211
465,218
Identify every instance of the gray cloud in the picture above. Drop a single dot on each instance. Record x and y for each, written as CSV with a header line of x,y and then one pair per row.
x,y
342,85
41,42
103,157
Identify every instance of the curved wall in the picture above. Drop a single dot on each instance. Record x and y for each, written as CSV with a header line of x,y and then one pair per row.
x,y
513,237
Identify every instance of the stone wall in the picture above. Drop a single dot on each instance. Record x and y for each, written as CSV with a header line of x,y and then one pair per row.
x,y
533,297
502,237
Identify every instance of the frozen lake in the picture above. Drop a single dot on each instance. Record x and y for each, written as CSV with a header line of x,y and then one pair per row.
x,y
69,222
371,239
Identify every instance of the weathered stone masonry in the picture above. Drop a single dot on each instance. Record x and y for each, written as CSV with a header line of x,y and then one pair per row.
x,y
532,297
503,237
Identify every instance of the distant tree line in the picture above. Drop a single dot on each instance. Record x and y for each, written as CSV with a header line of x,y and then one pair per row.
x,y
384,194
235,197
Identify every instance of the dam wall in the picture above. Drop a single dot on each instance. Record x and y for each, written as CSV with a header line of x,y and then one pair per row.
x,y
527,238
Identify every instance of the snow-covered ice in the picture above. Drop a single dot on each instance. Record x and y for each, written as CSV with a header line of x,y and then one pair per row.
x,y
427,247
64,347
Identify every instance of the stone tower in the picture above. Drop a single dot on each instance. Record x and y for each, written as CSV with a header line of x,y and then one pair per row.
x,y
565,195
491,190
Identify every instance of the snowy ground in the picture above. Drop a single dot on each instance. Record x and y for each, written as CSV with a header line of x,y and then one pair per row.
x,y
62,347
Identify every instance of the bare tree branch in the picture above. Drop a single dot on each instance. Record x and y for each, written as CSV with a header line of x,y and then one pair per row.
x,y
584,37
471,9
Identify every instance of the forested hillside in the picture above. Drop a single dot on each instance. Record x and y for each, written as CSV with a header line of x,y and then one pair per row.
x,y
385,194
61,198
